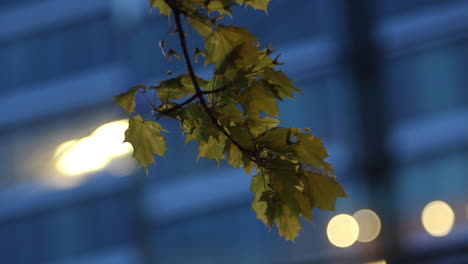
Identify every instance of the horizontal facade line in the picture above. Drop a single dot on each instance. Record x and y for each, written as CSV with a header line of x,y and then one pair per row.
x,y
119,255
71,92
45,15
33,198
400,34
416,138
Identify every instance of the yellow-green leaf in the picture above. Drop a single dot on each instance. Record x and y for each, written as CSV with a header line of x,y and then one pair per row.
x,y
258,98
288,223
258,186
146,139
283,83
257,4
213,148
127,99
310,149
235,156
222,41
201,23
322,190
162,6
230,115
259,125
176,88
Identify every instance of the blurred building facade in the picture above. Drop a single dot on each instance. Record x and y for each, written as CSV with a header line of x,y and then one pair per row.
x,y
385,86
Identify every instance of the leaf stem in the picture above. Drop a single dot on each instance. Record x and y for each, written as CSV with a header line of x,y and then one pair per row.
x,y
147,99
189,100
172,109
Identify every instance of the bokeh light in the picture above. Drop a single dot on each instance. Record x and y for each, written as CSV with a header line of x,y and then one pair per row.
x,y
377,262
466,211
438,218
94,152
342,230
369,225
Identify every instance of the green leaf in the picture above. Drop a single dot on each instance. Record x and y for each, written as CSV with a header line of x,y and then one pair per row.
x,y
127,99
283,84
288,223
276,139
259,98
146,139
259,125
258,187
249,165
273,206
221,6
292,177
222,41
310,149
162,6
242,135
201,23
304,204
176,88
213,148
241,59
276,199
322,190
230,115
256,4
284,179
235,156
197,124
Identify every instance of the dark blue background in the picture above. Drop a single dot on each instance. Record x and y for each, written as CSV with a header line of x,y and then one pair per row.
x,y
61,61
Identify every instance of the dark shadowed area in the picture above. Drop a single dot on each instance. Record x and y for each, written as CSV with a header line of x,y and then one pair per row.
x,y
385,85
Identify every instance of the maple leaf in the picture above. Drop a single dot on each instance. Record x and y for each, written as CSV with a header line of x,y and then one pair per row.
x,y
235,116
213,148
322,190
201,23
146,139
310,149
222,41
288,223
235,156
258,98
256,4
282,82
162,6
127,100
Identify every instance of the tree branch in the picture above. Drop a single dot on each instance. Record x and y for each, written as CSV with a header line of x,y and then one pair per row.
x,y
172,109
198,92
215,90
147,99
189,100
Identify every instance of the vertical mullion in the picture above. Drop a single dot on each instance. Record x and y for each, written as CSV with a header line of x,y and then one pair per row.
x,y
365,62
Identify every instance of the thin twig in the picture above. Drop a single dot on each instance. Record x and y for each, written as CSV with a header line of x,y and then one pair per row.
x,y
172,109
147,99
215,90
189,100
198,91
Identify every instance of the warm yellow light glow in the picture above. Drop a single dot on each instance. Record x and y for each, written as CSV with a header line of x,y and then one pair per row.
x,y
63,147
112,135
94,152
369,225
377,262
438,218
342,230
466,211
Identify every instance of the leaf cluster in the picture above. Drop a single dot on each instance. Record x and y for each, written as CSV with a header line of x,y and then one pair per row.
x,y
233,116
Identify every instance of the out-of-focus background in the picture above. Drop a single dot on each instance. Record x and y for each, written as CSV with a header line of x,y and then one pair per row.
x,y
386,87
